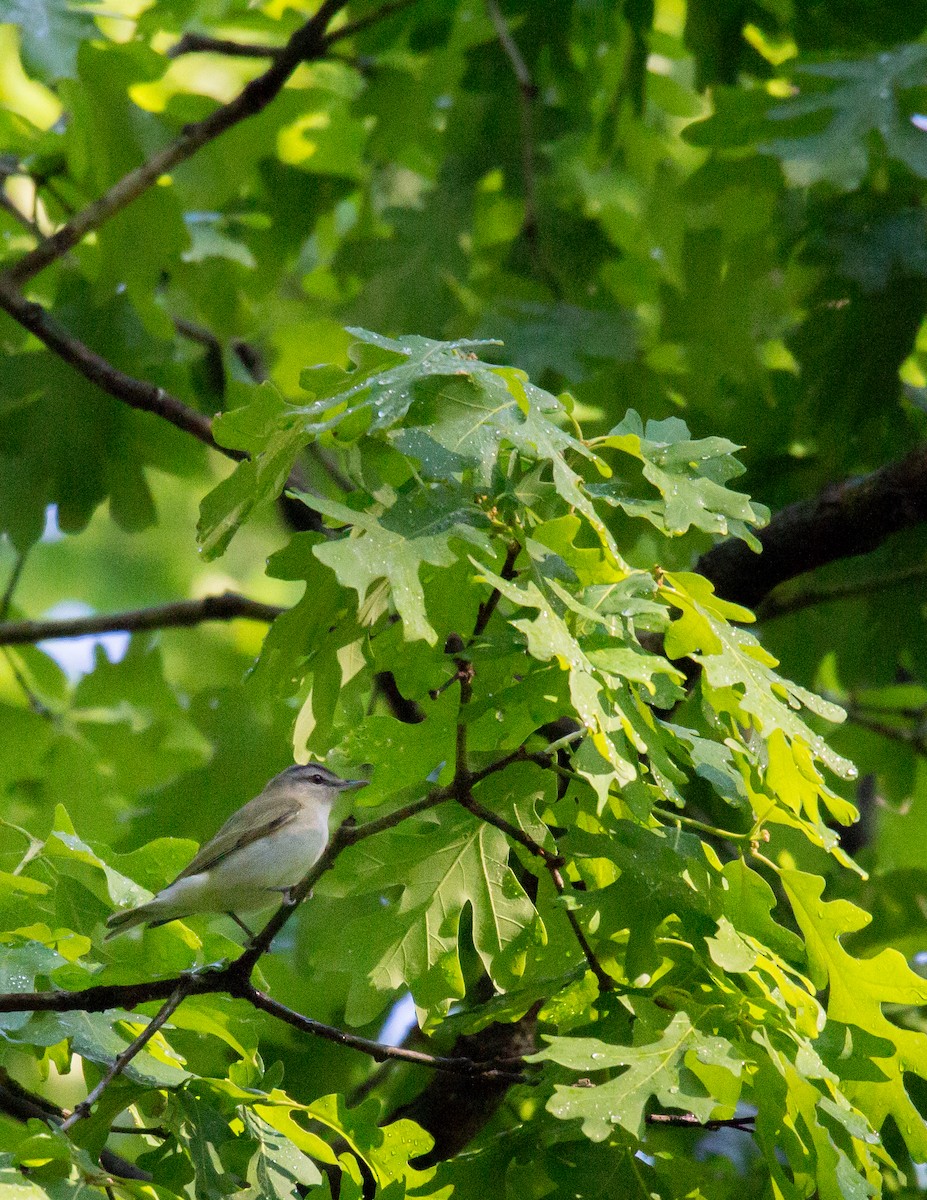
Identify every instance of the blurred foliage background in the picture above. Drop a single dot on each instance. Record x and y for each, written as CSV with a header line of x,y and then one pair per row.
x,y
710,210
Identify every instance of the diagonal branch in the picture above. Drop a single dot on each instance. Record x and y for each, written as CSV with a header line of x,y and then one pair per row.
x,y
307,44
346,835
135,1047
377,1051
227,607
135,392
553,863
234,978
199,43
23,1106
842,521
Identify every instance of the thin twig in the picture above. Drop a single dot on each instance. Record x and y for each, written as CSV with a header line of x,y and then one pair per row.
x,y
376,1050
82,1110
488,607
307,44
22,1105
512,831
199,43
157,1131
527,95
713,830
234,979
346,835
543,758
774,606
36,703
135,392
11,585
603,979
915,739
18,215
553,863
362,23
228,606
691,1121
464,780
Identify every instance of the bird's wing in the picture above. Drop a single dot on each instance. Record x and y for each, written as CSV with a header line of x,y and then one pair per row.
x,y
240,830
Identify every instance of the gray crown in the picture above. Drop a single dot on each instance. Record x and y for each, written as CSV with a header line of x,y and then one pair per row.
x,y
319,774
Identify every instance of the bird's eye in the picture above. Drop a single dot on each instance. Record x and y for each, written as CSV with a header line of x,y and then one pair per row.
x,y
317,779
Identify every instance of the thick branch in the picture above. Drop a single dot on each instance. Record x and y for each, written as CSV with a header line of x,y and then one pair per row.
x,y
134,392
226,607
844,520
307,44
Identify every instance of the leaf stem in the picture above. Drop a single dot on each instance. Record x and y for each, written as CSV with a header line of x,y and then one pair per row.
x,y
714,830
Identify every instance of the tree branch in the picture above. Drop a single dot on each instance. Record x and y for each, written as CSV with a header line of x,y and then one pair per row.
x,y
134,392
234,978
345,835
691,1121
307,44
464,780
842,521
135,1047
227,607
372,18
199,43
376,1050
777,606
527,94
23,1105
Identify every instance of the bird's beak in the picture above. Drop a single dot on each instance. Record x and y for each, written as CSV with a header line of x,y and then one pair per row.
x,y
352,783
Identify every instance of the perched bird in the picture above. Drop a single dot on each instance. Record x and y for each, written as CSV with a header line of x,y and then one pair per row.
x,y
260,852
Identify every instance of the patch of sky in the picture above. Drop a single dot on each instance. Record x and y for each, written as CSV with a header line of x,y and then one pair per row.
x,y
75,655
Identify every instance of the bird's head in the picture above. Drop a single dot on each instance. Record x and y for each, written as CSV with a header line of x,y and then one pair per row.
x,y
313,782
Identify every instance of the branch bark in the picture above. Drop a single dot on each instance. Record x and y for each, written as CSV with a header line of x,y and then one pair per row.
x,y
842,521
137,393
307,44
227,607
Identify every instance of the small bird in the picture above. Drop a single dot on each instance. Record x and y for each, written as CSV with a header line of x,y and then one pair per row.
x,y
260,852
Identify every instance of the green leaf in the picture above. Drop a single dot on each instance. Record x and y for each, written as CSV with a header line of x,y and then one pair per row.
x,y
689,475
656,1068
278,1170
463,863
394,545
738,679
51,32
857,991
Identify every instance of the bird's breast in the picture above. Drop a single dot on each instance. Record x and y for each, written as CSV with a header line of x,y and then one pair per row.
x,y
279,860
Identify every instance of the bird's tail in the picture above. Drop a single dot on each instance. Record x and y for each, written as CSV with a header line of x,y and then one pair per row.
x,y
119,922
